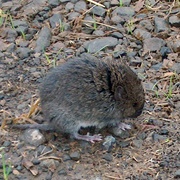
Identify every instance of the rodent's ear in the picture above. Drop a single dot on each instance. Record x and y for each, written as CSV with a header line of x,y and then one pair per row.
x,y
119,93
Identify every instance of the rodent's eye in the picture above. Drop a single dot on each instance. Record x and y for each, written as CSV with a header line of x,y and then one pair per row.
x,y
135,105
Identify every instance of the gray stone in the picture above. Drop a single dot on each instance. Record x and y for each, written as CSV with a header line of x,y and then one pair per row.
x,y
124,11
176,68
108,157
117,35
54,3
157,66
177,174
75,156
47,163
73,15
156,137
55,20
96,45
23,52
146,24
124,2
137,143
11,34
150,2
99,11
174,45
160,24
43,40
153,44
80,6
174,21
62,172
142,34
17,23
98,33
108,142
33,137
69,6
63,1
124,144
11,48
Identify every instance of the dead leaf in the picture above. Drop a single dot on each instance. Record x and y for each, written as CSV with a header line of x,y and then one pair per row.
x,y
34,171
139,5
27,164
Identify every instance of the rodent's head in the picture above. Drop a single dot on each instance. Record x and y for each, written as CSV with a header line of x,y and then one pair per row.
x,y
128,92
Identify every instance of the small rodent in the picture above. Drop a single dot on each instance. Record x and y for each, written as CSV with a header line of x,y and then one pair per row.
x,y
87,92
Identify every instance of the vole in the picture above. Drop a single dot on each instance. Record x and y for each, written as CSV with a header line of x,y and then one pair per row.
x,y
87,92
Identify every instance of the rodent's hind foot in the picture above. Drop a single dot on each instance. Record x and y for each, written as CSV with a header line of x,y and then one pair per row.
x,y
89,138
124,126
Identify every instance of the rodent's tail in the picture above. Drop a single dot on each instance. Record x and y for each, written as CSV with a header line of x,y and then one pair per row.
x,y
44,127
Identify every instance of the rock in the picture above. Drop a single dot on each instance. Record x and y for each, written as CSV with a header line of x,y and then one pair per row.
x,y
97,45
62,172
163,132
43,40
54,3
49,163
11,35
117,35
108,142
6,144
99,11
36,161
108,157
157,66
98,33
160,24
75,156
174,45
124,11
23,52
174,20
69,6
124,144
66,157
80,6
55,20
176,68
153,44
33,137
151,3
124,2
137,143
146,24
157,138
165,51
177,174
73,15
141,34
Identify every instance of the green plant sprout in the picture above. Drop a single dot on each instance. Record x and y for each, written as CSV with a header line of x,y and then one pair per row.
x,y
129,26
94,23
61,26
169,94
120,3
155,91
6,168
53,61
23,35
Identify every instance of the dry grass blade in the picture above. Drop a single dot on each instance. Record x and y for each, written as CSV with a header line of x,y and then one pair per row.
x,y
33,110
94,2
5,118
101,24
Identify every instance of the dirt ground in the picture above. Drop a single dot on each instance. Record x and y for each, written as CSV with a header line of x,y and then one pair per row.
x,y
150,150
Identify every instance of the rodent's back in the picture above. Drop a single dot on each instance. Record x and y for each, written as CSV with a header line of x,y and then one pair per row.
x,y
91,90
